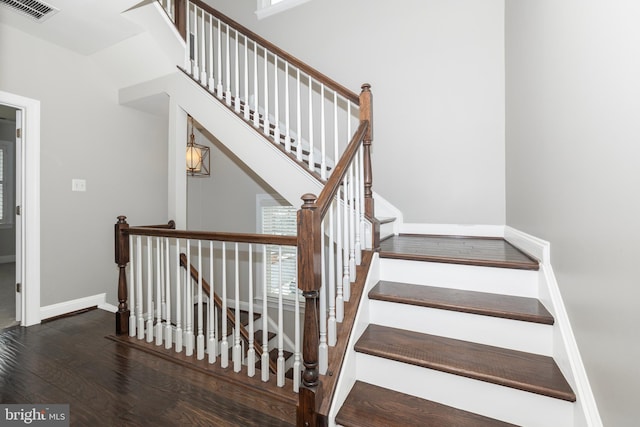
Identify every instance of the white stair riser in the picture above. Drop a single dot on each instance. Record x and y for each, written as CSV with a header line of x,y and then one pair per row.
x,y
491,400
505,281
512,334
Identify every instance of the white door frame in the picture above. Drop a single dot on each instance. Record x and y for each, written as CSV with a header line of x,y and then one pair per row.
x,y
30,205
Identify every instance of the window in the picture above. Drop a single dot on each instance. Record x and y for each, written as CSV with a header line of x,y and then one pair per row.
x,y
271,7
281,266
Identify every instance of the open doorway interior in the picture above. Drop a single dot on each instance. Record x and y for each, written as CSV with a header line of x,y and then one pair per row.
x,y
7,216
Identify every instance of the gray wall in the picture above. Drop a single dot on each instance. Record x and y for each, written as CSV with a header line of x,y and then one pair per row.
x,y
573,174
121,152
437,71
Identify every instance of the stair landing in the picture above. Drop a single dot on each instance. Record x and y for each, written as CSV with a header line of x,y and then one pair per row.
x,y
481,251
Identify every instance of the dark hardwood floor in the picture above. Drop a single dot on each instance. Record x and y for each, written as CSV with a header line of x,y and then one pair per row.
x,y
483,251
107,383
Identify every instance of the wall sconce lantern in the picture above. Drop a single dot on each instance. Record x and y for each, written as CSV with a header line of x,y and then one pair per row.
x,y
197,156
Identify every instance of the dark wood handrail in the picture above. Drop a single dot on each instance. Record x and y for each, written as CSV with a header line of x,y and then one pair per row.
x,y
330,189
263,239
230,314
315,74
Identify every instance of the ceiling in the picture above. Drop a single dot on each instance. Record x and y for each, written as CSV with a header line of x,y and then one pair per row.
x,y
83,26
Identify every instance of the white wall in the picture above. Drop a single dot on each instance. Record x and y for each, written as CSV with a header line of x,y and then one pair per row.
x,y
85,134
573,103
437,71
226,200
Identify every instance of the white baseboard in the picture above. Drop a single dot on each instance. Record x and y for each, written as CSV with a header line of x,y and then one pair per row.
x,y
108,307
566,355
61,308
5,259
470,230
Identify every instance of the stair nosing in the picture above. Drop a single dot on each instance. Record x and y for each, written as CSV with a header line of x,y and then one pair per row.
x,y
465,307
444,361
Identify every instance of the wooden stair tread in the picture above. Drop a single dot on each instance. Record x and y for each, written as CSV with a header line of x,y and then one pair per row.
x,y
480,251
524,371
368,405
487,304
257,336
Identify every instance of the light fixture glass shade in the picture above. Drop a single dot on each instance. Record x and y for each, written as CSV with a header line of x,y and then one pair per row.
x,y
197,156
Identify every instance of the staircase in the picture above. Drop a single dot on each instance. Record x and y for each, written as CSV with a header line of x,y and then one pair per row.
x,y
450,331
455,336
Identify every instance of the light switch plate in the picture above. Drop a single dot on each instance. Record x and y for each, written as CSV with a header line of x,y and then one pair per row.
x,y
78,185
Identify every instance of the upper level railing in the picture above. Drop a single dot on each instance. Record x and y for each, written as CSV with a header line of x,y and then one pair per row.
x,y
298,108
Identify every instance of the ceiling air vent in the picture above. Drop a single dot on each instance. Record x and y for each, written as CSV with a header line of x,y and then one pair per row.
x,y
34,9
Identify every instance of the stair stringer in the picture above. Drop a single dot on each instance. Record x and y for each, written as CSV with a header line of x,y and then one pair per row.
x,y
347,375
290,179
565,348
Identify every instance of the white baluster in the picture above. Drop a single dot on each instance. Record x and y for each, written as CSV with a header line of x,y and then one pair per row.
x,y
237,354
220,87
196,68
203,53
246,78
256,89
287,136
178,300
331,329
297,360
280,361
163,307
265,324
346,282
227,93
311,153
266,124
159,288
149,290
212,82
339,255
139,288
188,332
237,75
213,340
367,243
323,350
224,345
187,51
336,148
251,352
323,137
200,337
276,103
352,230
168,330
356,202
298,117
133,283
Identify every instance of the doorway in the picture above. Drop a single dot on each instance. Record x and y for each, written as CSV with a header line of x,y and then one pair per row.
x,y
9,301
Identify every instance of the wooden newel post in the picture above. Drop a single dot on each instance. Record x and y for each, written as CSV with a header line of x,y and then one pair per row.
x,y
366,114
309,281
122,259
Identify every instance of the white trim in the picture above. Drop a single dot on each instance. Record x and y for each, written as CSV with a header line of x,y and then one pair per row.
x,y
108,307
5,259
471,230
265,11
30,204
567,354
73,305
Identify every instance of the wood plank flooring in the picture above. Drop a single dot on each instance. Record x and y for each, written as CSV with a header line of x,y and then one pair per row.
x,y
488,252
107,383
